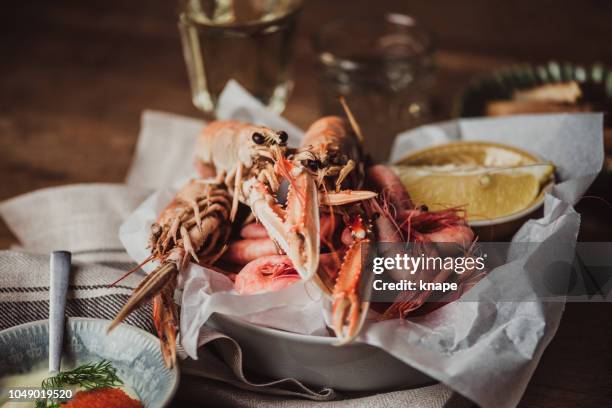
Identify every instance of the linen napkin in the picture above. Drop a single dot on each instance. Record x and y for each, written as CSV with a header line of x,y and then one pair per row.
x,y
24,291
85,219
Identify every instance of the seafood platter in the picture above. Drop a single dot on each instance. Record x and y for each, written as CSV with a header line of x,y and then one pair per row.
x,y
335,203
268,243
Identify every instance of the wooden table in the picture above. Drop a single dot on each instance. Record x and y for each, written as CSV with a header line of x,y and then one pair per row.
x,y
75,77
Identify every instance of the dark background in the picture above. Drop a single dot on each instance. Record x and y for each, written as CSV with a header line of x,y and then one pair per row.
x,y
76,75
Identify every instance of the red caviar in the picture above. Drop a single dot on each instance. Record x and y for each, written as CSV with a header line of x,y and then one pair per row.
x,y
102,398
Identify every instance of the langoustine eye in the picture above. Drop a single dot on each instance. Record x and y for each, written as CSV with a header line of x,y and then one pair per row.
x,y
258,138
283,136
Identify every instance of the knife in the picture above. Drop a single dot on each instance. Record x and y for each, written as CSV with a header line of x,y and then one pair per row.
x,y
59,277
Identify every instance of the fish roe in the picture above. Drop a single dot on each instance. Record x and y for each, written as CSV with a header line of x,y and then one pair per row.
x,y
102,398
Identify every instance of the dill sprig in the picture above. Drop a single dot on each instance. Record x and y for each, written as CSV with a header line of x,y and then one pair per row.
x,y
89,376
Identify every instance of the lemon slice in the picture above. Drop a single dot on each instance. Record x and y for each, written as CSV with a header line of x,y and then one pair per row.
x,y
470,153
485,192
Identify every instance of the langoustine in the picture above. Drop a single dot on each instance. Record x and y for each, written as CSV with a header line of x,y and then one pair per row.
x,y
250,160
194,226
238,162
332,152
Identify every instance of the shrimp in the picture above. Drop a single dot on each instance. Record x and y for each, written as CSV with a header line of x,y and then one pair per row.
x,y
266,274
445,231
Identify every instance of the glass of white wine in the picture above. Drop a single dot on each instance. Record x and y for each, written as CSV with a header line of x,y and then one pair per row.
x,y
250,41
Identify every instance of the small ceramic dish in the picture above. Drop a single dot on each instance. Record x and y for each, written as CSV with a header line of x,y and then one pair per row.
x,y
133,352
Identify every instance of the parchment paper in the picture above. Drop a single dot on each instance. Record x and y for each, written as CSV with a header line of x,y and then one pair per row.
x,y
486,350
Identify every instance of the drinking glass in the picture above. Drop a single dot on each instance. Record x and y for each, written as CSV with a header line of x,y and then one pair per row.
x,y
250,41
383,66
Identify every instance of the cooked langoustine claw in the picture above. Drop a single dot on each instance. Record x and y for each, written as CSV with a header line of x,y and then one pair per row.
x,y
348,308
193,226
249,159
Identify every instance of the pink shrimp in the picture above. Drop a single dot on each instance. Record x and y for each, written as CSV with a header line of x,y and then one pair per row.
x,y
398,221
256,242
253,230
266,274
445,227
385,180
243,251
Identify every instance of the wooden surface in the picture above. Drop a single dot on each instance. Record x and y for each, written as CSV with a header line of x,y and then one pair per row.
x,y
75,77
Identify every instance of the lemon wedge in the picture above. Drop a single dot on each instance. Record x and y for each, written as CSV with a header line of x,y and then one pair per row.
x,y
485,192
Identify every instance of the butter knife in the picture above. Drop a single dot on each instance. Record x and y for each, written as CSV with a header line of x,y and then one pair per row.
x,y
59,277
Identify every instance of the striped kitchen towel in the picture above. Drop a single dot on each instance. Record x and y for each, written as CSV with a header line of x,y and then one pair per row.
x,y
83,219
24,291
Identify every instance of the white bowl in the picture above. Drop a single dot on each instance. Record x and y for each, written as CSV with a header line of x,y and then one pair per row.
x,y
315,361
